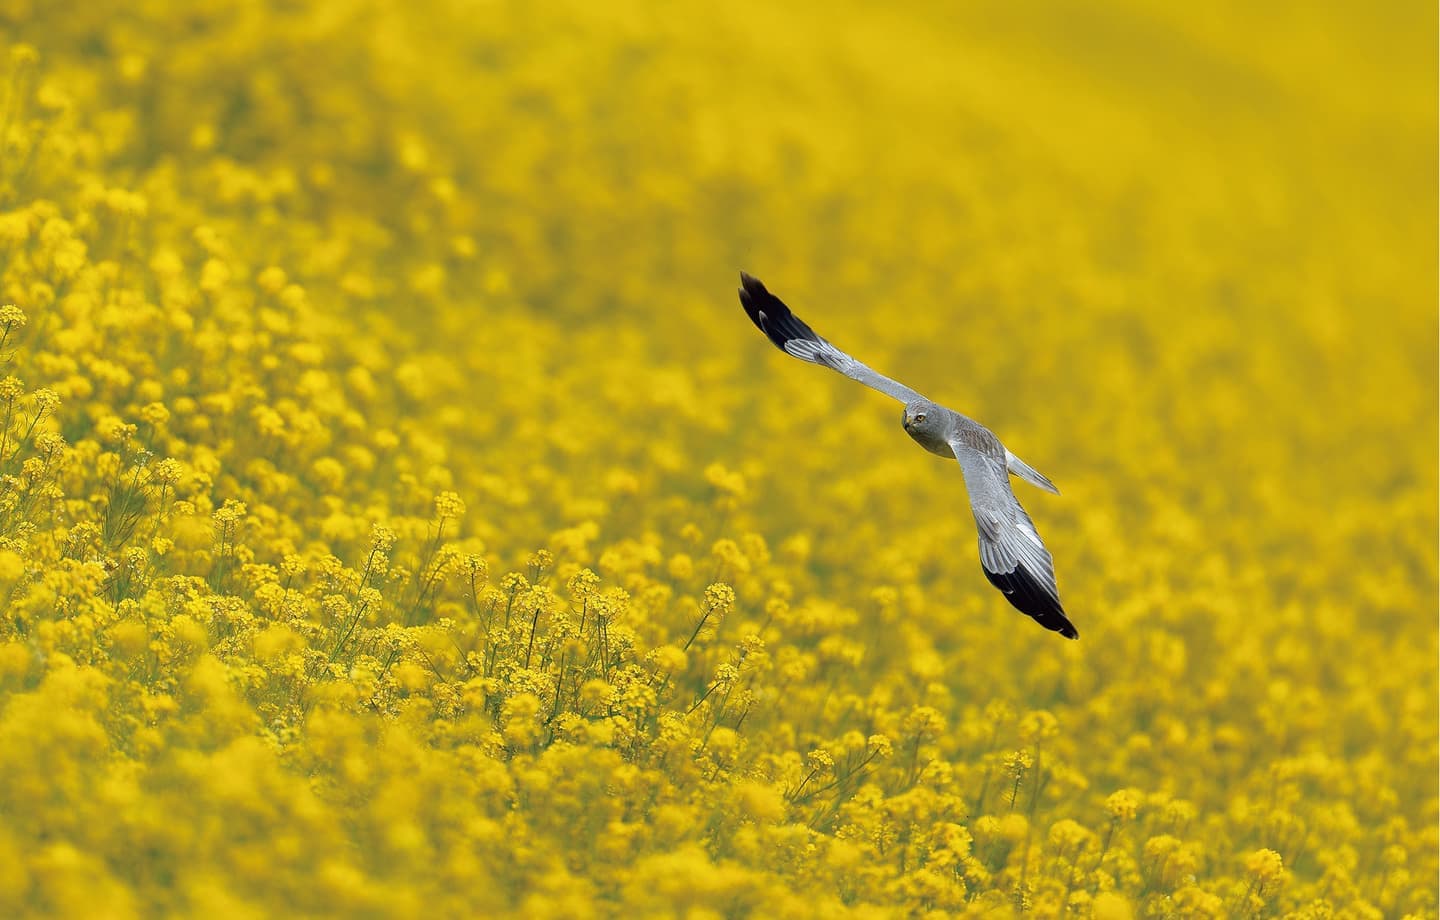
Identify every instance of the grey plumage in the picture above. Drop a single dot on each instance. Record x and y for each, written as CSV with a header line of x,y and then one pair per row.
x,y
1011,553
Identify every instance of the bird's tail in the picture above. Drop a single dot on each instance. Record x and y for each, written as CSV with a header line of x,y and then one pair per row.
x,y
1028,473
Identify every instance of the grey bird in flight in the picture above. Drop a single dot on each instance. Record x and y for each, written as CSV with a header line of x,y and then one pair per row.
x,y
1011,553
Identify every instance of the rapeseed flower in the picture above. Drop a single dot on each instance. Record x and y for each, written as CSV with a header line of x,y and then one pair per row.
x,y
398,517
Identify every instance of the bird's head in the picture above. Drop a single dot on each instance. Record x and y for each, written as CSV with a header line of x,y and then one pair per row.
x,y
924,420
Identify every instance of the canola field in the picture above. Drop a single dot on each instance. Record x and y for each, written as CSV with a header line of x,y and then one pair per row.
x,y
399,516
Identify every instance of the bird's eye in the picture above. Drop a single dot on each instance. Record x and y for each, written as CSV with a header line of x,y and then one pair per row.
x,y
920,417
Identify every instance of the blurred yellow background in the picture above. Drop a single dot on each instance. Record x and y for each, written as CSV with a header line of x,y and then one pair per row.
x,y
400,516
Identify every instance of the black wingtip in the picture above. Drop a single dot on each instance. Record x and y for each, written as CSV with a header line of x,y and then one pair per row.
x,y
754,297
752,293
770,315
1028,596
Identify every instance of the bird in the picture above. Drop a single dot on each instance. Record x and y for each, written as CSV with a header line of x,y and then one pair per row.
x,y
1011,553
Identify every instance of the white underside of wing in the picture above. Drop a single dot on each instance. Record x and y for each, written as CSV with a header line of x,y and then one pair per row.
x,y
809,351
1007,535
827,355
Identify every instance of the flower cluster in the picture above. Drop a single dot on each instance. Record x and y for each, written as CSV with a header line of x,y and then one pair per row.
x,y
398,516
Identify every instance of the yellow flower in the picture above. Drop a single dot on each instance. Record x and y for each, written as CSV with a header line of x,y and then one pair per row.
x,y
759,801
230,513
449,506
1123,804
11,565
214,276
719,598
1018,763
667,659
726,481
1110,906
681,567
12,316
155,414
1038,726
168,470
1265,867
272,279
23,55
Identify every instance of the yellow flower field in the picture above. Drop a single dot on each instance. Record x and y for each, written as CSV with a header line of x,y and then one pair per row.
x,y
399,517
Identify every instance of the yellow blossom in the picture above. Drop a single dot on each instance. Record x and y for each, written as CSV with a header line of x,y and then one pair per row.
x,y
11,565
1122,805
1265,867
1110,906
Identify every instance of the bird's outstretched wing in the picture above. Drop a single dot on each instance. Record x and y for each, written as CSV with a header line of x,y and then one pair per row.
x,y
1011,553
792,336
